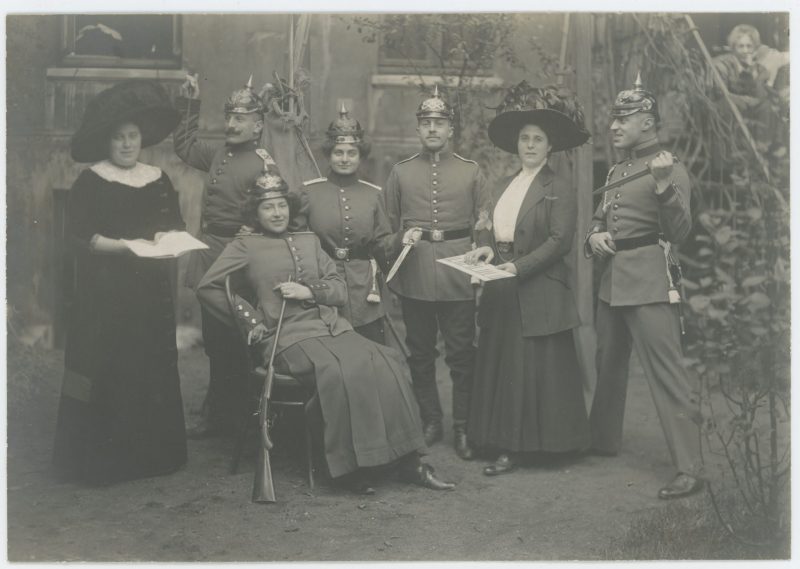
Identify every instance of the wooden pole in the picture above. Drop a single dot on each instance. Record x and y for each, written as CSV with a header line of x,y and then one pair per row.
x,y
585,338
726,94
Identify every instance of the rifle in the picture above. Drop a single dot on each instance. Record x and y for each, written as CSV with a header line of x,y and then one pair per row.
x,y
263,490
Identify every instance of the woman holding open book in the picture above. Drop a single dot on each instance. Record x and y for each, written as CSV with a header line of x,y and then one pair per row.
x,y
121,415
527,394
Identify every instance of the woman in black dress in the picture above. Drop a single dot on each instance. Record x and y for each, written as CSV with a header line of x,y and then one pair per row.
x,y
121,415
527,394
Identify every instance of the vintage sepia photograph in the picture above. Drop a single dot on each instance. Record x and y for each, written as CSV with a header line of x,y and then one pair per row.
x,y
394,286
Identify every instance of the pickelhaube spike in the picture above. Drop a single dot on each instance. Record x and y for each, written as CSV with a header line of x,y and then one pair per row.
x,y
435,107
634,100
269,185
244,100
345,130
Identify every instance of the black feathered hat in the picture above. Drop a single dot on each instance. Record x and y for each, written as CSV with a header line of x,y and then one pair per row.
x,y
553,109
144,103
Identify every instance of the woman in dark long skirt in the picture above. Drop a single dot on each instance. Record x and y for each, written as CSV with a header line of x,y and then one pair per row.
x,y
370,416
527,394
121,414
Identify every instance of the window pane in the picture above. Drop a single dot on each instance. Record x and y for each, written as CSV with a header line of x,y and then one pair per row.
x,y
128,37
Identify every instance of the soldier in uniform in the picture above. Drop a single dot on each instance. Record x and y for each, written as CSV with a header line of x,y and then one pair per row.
x,y
638,306
349,217
232,169
439,200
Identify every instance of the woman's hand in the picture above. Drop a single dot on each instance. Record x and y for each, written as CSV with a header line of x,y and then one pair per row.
x,y
509,268
412,236
294,291
257,334
475,256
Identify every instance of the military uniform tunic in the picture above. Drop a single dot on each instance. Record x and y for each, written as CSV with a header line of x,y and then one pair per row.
x,y
634,310
445,195
369,414
232,171
349,217
438,192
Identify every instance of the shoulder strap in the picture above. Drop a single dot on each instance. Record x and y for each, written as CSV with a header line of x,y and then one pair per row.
x,y
315,181
370,184
464,159
264,155
407,159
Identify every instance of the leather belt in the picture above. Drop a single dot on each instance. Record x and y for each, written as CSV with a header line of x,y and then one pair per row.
x,y
221,230
436,235
346,253
504,247
636,242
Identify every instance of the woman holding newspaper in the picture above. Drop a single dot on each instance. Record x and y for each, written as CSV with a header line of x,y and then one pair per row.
x,y
121,415
527,393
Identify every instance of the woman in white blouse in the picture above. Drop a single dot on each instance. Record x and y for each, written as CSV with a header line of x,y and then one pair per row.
x,y
527,395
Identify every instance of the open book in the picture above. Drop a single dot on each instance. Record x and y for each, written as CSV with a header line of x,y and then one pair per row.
x,y
481,271
170,245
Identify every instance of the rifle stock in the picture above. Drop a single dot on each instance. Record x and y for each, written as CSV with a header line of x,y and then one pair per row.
x,y
263,489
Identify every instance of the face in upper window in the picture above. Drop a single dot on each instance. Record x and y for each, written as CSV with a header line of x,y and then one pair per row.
x,y
242,127
434,133
125,145
744,48
533,146
345,159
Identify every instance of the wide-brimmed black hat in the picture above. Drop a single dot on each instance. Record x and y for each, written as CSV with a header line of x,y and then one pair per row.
x,y
553,109
144,103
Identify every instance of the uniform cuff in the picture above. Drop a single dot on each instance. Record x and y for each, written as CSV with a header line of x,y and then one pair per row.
x,y
667,194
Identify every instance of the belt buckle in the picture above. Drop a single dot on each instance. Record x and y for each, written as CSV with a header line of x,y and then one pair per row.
x,y
437,235
342,253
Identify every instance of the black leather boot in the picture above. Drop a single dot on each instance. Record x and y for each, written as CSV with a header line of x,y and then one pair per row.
x,y
461,444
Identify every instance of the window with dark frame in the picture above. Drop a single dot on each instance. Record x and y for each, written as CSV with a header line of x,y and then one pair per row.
x,y
411,43
149,41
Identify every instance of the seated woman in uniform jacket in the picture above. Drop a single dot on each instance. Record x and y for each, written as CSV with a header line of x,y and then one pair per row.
x,y
527,394
369,413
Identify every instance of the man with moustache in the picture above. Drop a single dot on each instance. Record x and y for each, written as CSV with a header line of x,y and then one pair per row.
x,y
638,306
232,169
441,196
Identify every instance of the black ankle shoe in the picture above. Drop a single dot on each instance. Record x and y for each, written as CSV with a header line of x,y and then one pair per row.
x,y
461,444
433,433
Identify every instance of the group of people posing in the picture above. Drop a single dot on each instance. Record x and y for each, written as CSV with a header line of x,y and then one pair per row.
x,y
320,250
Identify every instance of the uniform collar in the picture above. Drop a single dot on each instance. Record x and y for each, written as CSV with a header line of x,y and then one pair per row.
x,y
342,181
644,149
436,156
243,147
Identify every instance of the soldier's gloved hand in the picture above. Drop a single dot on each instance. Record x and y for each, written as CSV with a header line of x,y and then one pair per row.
x,y
257,334
602,244
190,88
475,256
412,236
661,168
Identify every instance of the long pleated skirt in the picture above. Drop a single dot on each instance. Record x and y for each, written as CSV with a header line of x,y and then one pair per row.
x,y
370,416
527,393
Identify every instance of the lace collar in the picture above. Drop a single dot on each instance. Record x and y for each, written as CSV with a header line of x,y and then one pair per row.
x,y
137,177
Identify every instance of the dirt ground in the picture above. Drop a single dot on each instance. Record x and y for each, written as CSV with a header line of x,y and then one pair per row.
x,y
570,508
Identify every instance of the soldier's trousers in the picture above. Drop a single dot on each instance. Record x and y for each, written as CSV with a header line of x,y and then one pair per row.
x,y
226,398
653,330
456,320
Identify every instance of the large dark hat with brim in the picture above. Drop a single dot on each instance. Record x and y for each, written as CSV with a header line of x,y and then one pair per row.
x,y
144,103
555,110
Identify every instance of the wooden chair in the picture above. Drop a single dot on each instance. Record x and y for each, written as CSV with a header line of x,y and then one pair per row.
x,y
287,392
